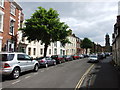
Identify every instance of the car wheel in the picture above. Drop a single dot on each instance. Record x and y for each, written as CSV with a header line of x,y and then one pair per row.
x,y
16,73
60,62
46,65
36,68
54,63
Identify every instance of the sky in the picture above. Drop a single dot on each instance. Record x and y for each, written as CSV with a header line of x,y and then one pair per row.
x,y
86,19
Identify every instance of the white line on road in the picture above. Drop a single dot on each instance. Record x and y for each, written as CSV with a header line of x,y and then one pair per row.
x,y
27,77
16,81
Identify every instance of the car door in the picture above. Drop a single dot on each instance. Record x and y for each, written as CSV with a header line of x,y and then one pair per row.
x,y
52,61
22,62
30,62
48,60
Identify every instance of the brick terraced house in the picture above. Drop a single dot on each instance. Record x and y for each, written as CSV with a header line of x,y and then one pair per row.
x,y
10,21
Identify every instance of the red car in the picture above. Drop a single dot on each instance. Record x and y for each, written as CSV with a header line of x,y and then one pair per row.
x,y
76,57
59,58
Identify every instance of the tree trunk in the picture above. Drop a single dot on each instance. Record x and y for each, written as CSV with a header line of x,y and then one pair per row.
x,y
86,50
45,49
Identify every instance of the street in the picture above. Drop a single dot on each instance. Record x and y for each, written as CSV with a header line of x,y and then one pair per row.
x,y
65,75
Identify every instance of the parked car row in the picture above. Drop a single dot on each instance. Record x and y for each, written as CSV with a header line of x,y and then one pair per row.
x,y
94,58
14,63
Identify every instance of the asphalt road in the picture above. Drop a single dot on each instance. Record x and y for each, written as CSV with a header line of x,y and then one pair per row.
x,y
65,75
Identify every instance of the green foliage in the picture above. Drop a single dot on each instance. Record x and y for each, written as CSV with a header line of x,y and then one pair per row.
x,y
86,43
45,25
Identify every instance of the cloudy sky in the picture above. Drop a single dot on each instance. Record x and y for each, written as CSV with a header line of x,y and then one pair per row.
x,y
86,19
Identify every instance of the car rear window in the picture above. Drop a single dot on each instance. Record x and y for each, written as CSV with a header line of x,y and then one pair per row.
x,y
6,57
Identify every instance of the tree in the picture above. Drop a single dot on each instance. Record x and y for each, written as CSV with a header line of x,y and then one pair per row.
x,y
45,26
86,43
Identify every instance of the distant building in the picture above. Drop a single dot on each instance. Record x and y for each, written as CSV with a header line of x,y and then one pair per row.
x,y
71,47
79,50
107,47
116,42
96,48
10,21
36,49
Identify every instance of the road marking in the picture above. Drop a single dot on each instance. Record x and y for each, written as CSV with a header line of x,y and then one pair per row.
x,y
27,77
83,77
16,81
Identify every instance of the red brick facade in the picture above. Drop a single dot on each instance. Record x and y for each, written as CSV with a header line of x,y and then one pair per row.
x,y
6,36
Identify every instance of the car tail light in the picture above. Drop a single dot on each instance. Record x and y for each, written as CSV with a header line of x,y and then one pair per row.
x,y
6,65
41,60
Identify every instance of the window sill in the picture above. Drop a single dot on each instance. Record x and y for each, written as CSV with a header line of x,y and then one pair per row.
x,y
1,31
12,14
11,34
2,7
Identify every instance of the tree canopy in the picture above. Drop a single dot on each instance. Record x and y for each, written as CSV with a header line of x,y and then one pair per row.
x,y
86,43
45,26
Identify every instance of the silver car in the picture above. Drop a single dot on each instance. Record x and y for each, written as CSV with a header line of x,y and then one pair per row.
x,y
46,61
93,59
14,63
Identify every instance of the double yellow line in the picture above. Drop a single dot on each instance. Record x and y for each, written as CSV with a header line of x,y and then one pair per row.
x,y
83,77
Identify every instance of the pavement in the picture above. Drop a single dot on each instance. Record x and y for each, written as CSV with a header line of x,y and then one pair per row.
x,y
103,75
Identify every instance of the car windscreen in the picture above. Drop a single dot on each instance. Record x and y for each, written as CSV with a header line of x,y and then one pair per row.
x,y
6,57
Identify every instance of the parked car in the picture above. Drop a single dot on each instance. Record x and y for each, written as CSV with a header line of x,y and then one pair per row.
x,y
85,55
81,56
93,59
75,57
68,57
46,61
15,63
59,58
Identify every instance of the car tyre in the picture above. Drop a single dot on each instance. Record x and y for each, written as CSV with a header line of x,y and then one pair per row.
x,y
60,62
54,63
46,65
15,73
36,68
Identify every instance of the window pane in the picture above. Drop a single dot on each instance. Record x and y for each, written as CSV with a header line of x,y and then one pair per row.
x,y
29,51
12,9
27,57
41,51
1,2
21,57
6,57
34,50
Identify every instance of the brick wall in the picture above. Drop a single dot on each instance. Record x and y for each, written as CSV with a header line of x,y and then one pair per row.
x,y
6,21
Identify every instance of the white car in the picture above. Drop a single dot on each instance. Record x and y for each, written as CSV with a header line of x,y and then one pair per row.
x,y
15,63
93,58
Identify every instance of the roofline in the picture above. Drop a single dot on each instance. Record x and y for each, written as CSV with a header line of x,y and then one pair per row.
x,y
16,4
